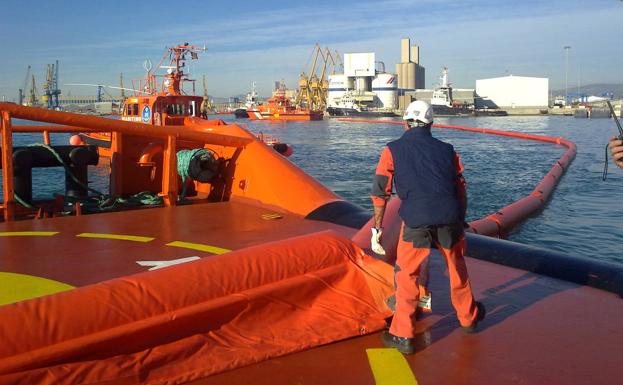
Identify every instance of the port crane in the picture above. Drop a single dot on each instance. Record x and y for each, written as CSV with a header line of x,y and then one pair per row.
x,y
303,96
313,87
50,87
21,99
320,85
33,100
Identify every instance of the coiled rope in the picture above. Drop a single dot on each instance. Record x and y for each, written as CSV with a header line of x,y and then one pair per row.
x,y
199,164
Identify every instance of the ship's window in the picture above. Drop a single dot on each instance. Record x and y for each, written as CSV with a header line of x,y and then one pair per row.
x,y
128,109
135,109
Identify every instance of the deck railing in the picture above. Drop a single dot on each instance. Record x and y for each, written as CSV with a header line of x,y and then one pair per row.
x,y
68,122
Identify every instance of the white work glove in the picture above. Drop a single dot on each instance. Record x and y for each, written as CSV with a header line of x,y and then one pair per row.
x,y
375,242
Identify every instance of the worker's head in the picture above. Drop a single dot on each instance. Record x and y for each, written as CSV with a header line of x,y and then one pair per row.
x,y
418,114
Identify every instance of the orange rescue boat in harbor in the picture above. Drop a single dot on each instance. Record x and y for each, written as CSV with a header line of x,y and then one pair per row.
x,y
164,104
280,107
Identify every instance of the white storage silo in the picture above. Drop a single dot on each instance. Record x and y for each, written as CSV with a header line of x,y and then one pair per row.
x,y
411,76
401,76
385,86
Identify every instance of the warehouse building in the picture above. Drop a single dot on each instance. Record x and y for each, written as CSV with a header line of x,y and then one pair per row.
x,y
513,92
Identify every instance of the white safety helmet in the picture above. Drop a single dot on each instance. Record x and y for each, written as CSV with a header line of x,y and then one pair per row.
x,y
419,111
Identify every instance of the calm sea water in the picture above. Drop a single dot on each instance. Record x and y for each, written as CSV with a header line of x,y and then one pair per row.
x,y
583,217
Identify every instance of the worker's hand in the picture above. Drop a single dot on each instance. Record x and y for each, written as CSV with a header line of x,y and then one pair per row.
x,y
375,242
616,149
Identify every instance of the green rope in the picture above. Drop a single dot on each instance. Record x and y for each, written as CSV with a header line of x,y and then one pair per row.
x,y
23,202
100,202
66,167
188,165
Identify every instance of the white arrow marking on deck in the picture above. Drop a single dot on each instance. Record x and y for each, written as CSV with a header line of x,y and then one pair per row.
x,y
161,264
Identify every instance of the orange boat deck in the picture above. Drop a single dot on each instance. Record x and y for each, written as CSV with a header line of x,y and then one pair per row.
x,y
537,330
105,246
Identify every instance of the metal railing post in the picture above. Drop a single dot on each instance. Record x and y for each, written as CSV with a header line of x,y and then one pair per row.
x,y
169,172
8,196
116,163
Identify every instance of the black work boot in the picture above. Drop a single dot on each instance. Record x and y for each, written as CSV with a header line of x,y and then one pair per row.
x,y
480,315
403,344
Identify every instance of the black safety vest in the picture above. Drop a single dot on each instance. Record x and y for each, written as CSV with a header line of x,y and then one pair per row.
x,y
425,177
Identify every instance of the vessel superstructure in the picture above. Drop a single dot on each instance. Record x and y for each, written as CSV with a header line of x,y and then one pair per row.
x,y
442,101
362,90
251,101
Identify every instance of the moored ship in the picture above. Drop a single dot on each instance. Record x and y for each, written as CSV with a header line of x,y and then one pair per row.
x,y
442,102
347,105
251,101
280,107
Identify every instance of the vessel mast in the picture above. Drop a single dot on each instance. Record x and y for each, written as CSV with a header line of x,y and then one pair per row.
x,y
175,76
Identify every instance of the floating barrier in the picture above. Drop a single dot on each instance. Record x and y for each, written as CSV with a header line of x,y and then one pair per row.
x,y
199,318
502,221
597,273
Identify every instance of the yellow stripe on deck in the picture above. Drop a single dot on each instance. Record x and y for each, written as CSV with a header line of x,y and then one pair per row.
x,y
199,247
121,237
390,367
19,287
28,233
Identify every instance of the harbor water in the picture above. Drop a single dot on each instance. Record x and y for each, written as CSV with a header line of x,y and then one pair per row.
x,y
583,217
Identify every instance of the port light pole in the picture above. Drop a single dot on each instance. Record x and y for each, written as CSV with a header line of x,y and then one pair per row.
x,y
566,48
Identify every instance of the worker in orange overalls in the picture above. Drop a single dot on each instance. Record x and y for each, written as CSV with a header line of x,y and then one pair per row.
x,y
427,174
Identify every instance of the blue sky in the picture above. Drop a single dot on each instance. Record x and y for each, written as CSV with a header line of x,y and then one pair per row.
x,y
265,41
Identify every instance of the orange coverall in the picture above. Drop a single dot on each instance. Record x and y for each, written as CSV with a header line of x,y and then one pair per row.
x,y
414,246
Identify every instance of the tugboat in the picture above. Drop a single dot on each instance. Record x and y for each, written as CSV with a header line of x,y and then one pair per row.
x,y
168,105
249,104
442,102
280,107
161,107
348,106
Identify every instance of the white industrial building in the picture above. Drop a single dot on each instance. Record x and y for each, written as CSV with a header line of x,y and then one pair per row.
x,y
510,92
363,83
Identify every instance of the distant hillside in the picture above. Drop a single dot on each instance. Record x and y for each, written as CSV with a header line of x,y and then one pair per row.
x,y
594,89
